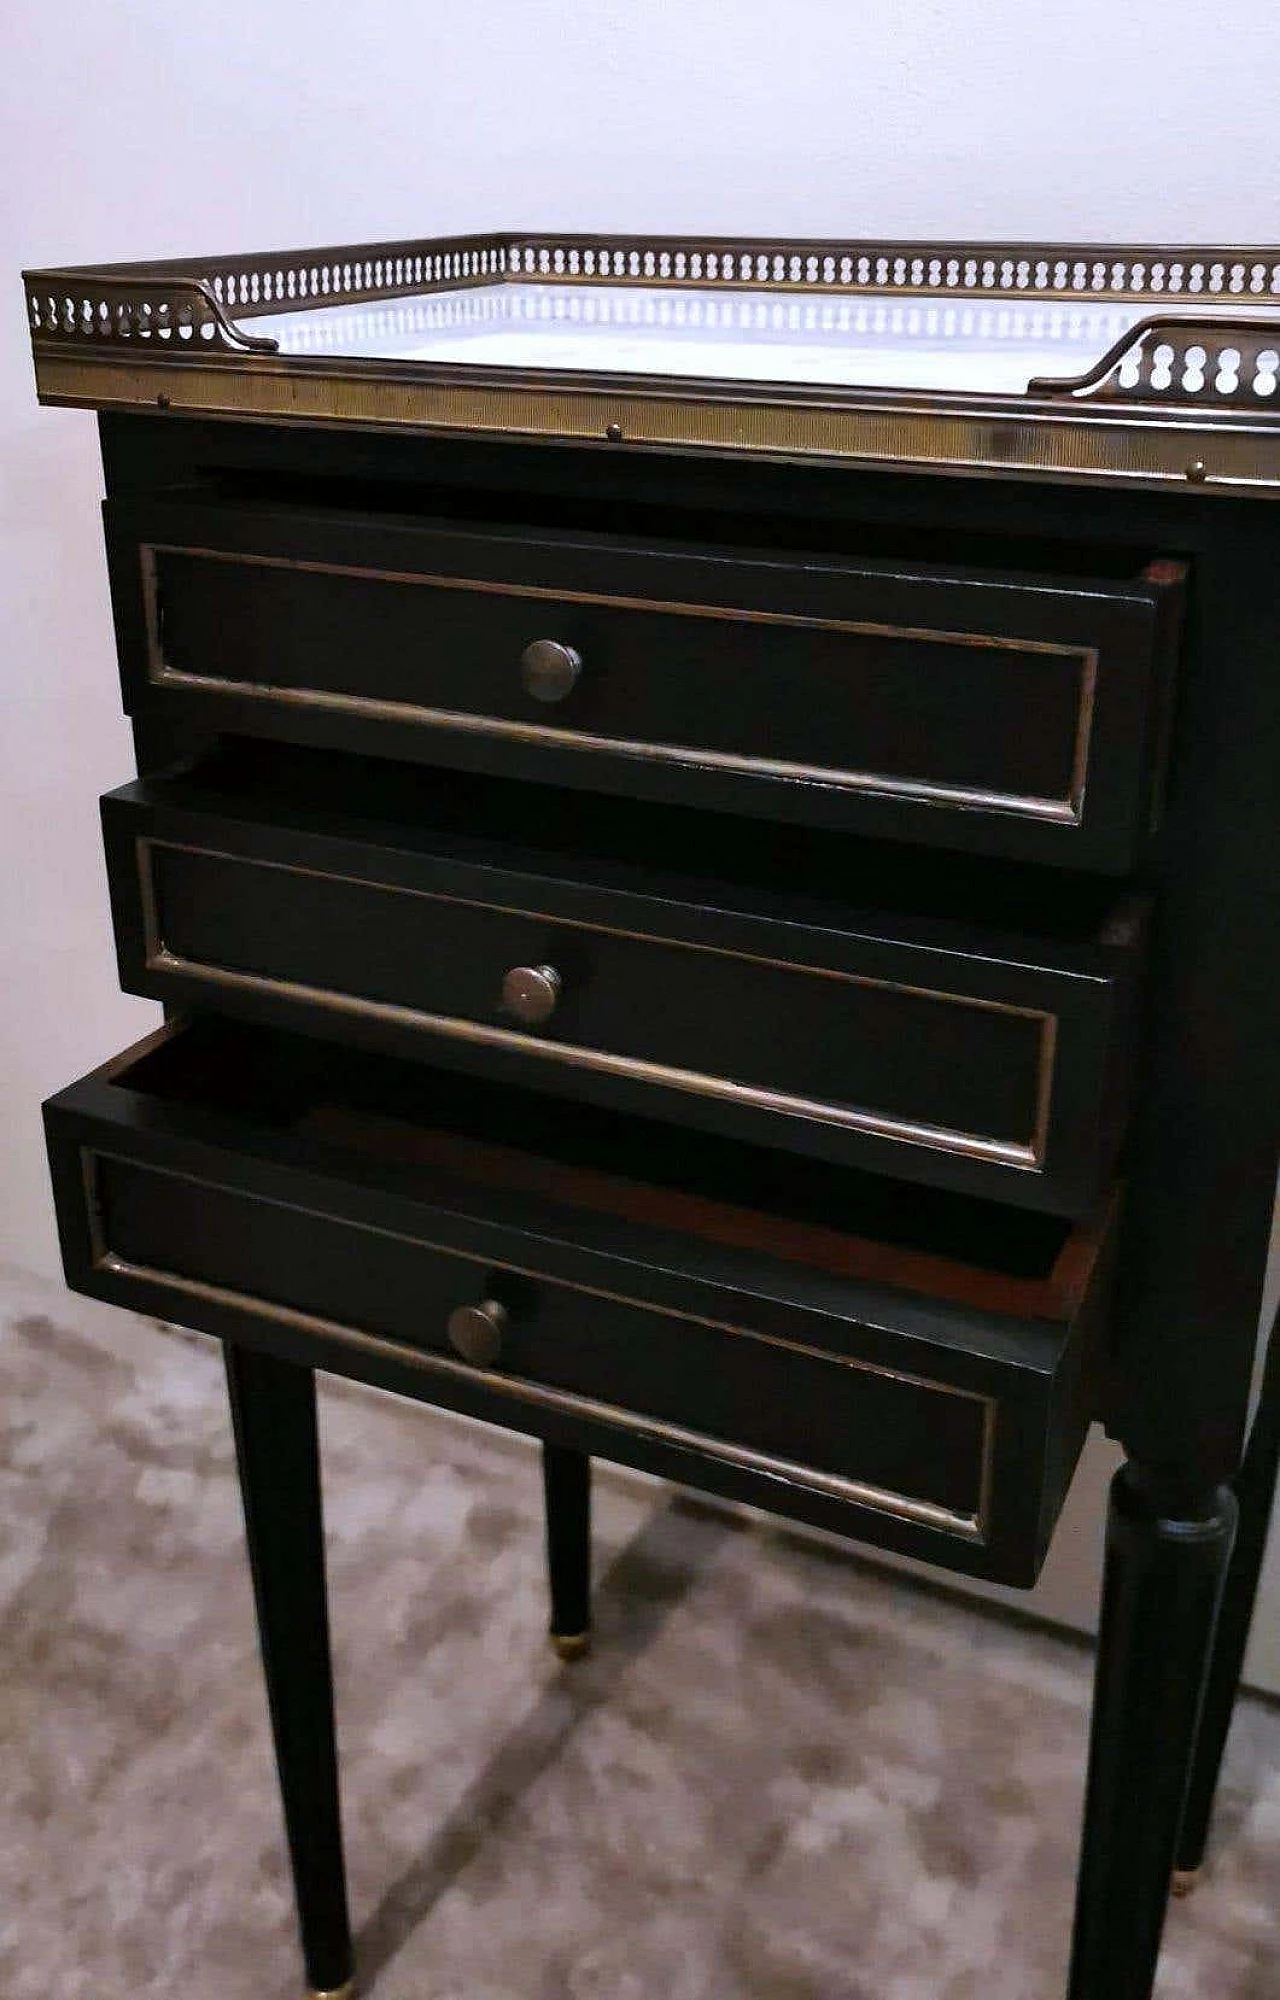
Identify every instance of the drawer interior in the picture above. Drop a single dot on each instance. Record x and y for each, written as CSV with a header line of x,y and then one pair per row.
x,y
917,1369
952,549
444,1134
803,874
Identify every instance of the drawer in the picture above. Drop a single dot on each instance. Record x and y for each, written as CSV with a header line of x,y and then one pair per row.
x,y
994,711
918,1373
802,992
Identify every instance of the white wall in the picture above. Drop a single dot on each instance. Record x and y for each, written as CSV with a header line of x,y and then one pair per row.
x,y
145,129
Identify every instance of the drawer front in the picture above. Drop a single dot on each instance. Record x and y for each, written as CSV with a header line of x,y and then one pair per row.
x,y
966,1069
922,1449
1007,715
825,1403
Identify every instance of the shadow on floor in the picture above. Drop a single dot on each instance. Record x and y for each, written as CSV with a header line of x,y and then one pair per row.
x,y
632,1601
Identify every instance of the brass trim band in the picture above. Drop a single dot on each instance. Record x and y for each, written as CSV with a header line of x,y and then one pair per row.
x,y
1027,1156
1153,446
972,1527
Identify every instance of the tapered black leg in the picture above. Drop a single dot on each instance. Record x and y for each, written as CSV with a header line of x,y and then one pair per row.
x,y
1255,1491
566,1479
1167,1550
273,1410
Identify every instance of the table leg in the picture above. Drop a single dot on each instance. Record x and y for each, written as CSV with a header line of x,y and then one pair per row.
x,y
273,1410
566,1479
1255,1490
1168,1544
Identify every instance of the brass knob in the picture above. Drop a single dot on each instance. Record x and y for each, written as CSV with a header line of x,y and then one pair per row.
x,y
476,1331
549,670
530,993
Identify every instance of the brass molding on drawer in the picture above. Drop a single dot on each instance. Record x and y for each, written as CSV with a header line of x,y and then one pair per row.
x,y
1027,1156
972,1527
1067,810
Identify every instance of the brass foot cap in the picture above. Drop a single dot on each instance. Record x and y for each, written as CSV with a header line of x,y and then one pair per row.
x,y
346,1992
1184,1881
571,1645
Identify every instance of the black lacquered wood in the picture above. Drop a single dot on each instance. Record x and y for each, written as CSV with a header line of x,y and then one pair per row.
x,y
928,1392
992,711
566,1483
1167,1553
385,907
273,1409
1201,1166
1255,1491
1202,1155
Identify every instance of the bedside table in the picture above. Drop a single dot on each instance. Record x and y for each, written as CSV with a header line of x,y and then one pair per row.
x,y
723,917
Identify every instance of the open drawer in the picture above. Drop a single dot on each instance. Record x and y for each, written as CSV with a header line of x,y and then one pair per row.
x,y
988,709
948,1021
910,1367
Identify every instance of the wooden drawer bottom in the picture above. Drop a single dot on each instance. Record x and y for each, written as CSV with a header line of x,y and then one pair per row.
x,y
906,1366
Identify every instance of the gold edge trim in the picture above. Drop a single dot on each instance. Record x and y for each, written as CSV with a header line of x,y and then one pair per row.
x,y
987,1473
1241,303
1065,811
93,1155
1029,1156
972,1527
90,1161
978,1002
1084,730
736,614
1048,1072
1052,810
1151,446
152,628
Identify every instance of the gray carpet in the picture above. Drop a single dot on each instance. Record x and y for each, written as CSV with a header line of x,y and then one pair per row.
x,y
783,1776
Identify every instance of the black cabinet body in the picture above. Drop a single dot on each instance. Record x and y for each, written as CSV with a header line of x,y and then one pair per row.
x,y
819,1048
1200,1070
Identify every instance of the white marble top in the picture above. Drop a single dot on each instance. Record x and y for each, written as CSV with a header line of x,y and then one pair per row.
x,y
992,346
